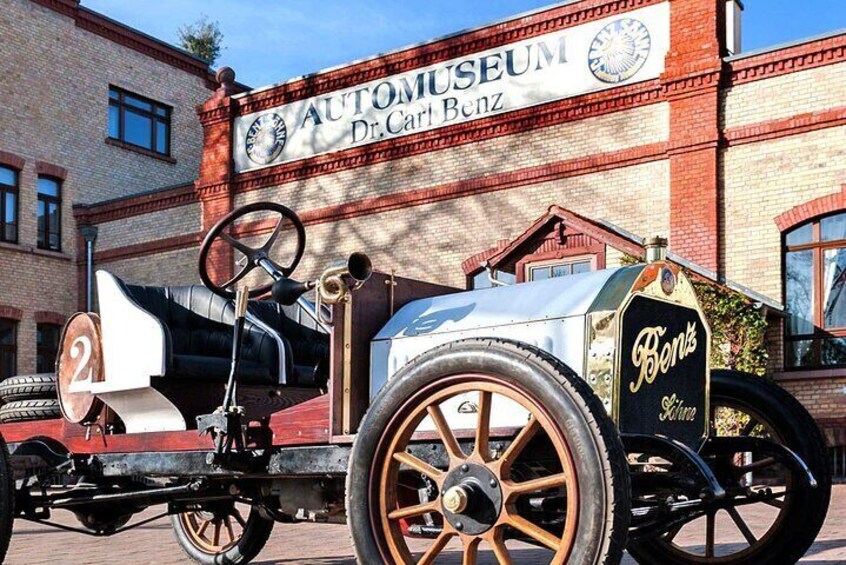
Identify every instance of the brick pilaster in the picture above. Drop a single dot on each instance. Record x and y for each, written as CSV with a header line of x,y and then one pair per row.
x,y
691,84
214,184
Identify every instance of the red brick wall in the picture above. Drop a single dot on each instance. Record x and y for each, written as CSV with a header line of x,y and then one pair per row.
x,y
691,82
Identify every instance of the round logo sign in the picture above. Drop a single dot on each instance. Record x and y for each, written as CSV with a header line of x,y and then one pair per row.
x,y
620,50
266,138
668,281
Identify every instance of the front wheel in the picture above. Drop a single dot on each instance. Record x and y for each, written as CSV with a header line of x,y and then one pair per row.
x,y
488,446
222,534
780,528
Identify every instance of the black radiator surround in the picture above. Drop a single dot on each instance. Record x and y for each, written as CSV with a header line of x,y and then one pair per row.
x,y
679,390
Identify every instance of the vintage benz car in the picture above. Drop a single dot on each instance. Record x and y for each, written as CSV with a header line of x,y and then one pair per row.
x,y
564,420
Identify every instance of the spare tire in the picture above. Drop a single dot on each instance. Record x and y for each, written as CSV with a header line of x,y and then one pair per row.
x,y
28,387
27,410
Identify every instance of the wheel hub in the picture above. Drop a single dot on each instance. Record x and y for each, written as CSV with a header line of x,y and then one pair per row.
x,y
472,499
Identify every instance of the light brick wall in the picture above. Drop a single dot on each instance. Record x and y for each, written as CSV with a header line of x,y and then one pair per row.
x,y
429,242
763,180
54,82
602,134
33,282
823,398
149,227
171,268
55,104
786,95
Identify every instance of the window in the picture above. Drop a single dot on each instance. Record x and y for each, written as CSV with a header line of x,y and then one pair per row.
x,y
815,293
8,205
47,346
543,271
482,280
49,214
139,121
8,349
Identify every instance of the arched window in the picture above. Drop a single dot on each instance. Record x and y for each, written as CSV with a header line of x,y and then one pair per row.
x,y
815,293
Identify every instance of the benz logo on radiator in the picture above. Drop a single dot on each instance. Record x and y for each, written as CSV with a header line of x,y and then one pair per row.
x,y
654,357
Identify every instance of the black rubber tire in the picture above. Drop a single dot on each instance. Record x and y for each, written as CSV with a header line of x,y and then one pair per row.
x,y
7,500
28,410
28,387
597,451
799,432
255,536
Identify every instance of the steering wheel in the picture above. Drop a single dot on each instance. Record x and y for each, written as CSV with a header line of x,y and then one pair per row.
x,y
252,257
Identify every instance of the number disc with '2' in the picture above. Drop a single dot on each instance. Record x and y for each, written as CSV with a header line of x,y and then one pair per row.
x,y
80,364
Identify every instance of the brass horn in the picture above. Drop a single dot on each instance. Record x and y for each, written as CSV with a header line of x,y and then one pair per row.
x,y
336,284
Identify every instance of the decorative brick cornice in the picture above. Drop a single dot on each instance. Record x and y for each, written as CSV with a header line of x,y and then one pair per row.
x,y
540,23
449,191
793,125
12,160
555,113
50,170
680,87
128,37
54,318
213,191
66,7
11,313
215,111
136,205
809,210
810,55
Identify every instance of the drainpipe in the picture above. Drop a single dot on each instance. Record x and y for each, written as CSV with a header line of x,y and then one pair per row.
x,y
90,235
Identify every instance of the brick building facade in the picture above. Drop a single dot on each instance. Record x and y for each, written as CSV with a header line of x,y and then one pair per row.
x,y
62,65
731,156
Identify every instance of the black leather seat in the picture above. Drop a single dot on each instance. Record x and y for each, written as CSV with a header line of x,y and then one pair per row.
x,y
198,328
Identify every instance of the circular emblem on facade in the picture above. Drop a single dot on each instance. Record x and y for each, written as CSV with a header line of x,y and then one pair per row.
x,y
620,50
668,281
266,138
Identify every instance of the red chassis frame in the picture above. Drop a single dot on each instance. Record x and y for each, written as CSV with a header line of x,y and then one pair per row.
x,y
313,420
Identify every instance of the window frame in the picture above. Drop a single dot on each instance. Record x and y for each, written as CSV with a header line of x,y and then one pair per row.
x,y
47,199
48,352
818,247
529,266
154,117
13,189
13,348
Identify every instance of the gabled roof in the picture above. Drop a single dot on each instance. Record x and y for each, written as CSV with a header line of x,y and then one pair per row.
x,y
604,232
503,252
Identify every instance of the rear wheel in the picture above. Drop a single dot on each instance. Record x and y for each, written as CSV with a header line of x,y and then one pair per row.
x,y
554,488
778,530
222,534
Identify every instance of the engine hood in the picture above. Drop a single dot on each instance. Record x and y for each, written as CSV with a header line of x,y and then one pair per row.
x,y
551,299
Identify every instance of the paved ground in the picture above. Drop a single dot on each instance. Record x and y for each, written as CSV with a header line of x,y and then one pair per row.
x,y
323,545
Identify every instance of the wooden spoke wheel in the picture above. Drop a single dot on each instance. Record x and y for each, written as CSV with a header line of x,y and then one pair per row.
x,y
214,532
440,469
770,514
222,533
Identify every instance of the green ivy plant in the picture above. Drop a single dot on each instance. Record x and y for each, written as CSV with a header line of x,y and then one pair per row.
x,y
738,328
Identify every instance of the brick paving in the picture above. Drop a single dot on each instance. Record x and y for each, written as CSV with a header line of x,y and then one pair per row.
x,y
313,544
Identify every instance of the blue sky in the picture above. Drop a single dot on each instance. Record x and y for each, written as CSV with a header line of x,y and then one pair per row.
x,y
270,41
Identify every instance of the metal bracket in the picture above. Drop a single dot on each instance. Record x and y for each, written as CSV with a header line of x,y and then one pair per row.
x,y
678,452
